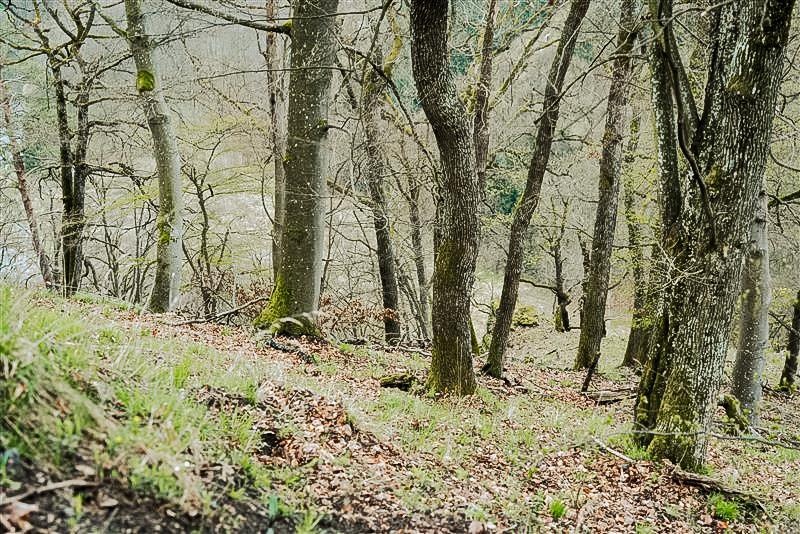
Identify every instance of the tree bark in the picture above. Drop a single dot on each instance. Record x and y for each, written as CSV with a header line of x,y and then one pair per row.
x,y
748,368
457,224
45,266
533,186
594,304
276,112
169,226
480,124
372,91
726,155
789,373
295,299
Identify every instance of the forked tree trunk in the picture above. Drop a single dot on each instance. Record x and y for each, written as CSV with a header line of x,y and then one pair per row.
x,y
169,227
480,124
754,318
594,304
295,299
789,373
457,223
533,186
45,266
729,148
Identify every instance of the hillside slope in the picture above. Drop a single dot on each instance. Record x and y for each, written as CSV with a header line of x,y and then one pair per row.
x,y
111,420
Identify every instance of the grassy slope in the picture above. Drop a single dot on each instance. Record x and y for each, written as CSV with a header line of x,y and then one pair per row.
x,y
205,427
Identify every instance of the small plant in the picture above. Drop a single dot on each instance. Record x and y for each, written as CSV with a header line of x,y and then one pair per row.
x,y
722,508
558,509
644,528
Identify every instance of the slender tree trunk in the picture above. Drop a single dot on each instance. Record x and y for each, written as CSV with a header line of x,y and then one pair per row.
x,y
372,91
789,373
480,125
594,304
295,298
754,318
638,339
457,223
533,186
45,266
71,218
419,257
169,226
727,155
276,112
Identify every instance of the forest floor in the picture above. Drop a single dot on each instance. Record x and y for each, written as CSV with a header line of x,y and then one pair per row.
x,y
111,420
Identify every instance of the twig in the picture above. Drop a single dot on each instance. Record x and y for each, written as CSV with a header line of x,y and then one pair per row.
x,y
612,451
222,315
74,483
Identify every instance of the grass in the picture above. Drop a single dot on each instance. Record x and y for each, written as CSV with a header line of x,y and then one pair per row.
x,y
77,388
125,403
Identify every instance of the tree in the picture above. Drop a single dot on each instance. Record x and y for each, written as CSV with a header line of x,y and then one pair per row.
x,y
789,373
295,298
533,186
17,161
725,150
169,226
754,317
457,225
594,303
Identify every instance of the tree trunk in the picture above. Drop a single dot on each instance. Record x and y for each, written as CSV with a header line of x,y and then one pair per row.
x,y
415,221
457,223
726,155
638,338
789,373
295,298
373,90
169,225
533,186
45,266
480,125
276,112
594,304
754,318
72,192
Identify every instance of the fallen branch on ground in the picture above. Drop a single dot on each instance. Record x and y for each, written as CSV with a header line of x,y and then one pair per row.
x,y
74,483
223,315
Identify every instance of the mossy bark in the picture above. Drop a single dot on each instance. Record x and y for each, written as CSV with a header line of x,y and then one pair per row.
x,y
169,224
457,225
704,283
294,303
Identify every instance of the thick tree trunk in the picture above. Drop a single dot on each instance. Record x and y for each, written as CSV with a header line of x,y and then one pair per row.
x,y
533,186
594,303
727,156
789,373
295,298
169,226
457,224
754,318
45,266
